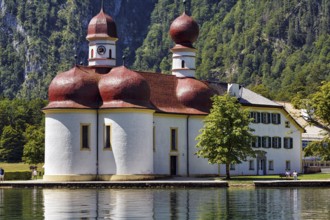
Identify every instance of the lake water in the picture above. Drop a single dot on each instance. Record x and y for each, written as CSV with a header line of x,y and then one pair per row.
x,y
210,203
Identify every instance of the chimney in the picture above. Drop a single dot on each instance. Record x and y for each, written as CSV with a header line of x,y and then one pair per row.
x,y
233,89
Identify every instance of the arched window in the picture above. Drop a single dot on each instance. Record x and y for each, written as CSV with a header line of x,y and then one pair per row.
x,y
110,54
182,64
92,53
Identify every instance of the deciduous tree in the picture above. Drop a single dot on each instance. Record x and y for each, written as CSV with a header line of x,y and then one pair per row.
x,y
226,136
317,112
34,149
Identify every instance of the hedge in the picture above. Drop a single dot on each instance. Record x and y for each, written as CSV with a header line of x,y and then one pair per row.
x,y
22,175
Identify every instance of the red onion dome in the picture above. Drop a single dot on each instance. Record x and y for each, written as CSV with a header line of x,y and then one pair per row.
x,y
102,26
194,94
184,30
122,87
75,88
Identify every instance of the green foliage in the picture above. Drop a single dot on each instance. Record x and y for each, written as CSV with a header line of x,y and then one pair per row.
x,y
34,149
11,145
22,175
226,136
282,45
319,148
317,108
21,122
40,38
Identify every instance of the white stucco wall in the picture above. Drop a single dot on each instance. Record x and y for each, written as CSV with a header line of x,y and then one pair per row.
x,y
103,59
107,163
131,141
163,124
278,156
198,166
63,153
189,61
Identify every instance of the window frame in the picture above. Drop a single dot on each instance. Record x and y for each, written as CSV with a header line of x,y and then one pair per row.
x,y
270,164
84,136
287,165
105,137
287,124
288,142
256,117
232,166
175,141
110,54
251,164
276,118
266,142
278,141
257,142
265,117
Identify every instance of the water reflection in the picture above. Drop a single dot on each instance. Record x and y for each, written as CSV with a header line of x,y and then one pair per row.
x,y
282,203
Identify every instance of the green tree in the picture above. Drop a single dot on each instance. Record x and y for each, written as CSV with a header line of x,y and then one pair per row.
x,y
34,148
226,136
317,113
319,148
11,145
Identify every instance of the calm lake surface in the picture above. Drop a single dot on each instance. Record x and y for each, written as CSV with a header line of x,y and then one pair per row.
x,y
210,203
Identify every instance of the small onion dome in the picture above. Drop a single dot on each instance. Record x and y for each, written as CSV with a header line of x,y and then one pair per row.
x,y
195,94
102,26
75,88
122,87
184,30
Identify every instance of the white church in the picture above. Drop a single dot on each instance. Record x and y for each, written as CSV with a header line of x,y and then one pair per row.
x,y
107,122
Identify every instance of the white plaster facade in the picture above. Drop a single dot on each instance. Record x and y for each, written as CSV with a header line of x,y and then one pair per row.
x,y
183,62
105,57
64,155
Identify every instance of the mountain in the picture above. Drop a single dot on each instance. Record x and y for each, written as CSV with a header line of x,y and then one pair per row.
x,y
39,38
277,48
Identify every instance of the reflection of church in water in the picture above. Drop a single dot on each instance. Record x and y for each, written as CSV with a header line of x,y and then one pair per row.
x,y
207,203
107,122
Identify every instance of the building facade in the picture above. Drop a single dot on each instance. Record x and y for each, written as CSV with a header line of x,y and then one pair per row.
x,y
107,122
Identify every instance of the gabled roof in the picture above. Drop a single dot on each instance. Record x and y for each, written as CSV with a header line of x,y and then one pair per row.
x,y
251,98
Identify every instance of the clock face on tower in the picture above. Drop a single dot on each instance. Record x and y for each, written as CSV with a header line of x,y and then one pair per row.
x,y
101,50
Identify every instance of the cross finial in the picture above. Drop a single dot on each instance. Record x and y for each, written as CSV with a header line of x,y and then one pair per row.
x,y
102,5
185,5
124,57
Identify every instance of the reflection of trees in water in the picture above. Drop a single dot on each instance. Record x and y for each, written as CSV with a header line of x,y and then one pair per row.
x,y
21,204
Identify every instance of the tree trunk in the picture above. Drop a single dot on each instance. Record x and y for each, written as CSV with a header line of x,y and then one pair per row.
x,y
227,171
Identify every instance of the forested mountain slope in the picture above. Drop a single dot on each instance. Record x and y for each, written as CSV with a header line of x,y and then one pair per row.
x,y
39,38
277,48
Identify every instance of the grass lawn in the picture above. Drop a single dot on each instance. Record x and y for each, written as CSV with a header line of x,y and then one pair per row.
x,y
17,167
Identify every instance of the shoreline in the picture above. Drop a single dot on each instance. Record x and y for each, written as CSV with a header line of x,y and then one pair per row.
x,y
167,183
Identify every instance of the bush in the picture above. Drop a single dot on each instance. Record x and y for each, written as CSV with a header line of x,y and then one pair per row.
x,y
23,175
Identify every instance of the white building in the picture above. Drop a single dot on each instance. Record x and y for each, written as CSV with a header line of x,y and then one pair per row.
x,y
105,122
